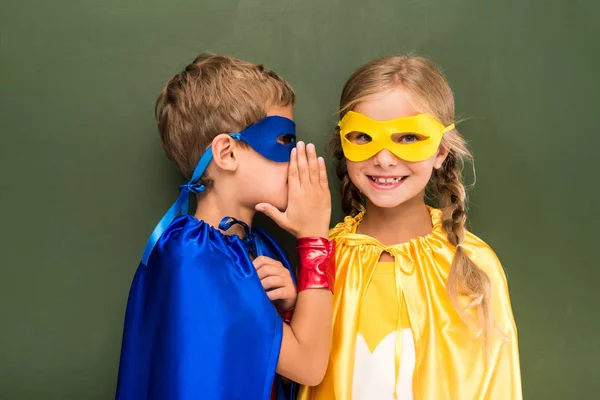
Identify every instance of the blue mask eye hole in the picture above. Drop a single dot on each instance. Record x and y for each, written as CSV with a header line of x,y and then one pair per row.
x,y
286,139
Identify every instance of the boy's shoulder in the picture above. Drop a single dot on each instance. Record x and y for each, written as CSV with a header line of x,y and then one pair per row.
x,y
189,239
191,242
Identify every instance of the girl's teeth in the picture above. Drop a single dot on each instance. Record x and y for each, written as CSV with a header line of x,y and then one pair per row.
x,y
386,180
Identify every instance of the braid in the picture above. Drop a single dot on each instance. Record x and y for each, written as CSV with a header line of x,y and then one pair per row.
x,y
465,277
353,201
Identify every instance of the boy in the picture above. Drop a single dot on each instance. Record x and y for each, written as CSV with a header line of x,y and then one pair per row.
x,y
202,317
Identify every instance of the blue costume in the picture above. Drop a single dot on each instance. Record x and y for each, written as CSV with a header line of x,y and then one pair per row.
x,y
199,324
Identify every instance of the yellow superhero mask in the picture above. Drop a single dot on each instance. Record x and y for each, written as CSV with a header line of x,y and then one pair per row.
x,y
412,139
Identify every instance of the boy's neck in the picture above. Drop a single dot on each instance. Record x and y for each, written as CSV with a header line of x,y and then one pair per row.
x,y
213,206
399,224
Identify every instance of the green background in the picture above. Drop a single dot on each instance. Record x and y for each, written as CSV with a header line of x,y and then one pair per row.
x,y
84,181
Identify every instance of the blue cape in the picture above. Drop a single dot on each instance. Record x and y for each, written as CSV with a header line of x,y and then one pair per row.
x,y
199,324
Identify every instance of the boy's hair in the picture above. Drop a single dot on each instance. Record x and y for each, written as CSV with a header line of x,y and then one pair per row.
x,y
214,94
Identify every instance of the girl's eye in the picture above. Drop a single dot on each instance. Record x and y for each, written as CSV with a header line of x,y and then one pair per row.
x,y
286,139
408,138
359,138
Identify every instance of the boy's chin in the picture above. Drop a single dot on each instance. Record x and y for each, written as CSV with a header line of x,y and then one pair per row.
x,y
280,204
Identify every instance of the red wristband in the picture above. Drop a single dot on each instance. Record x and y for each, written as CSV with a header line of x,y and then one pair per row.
x,y
316,263
286,315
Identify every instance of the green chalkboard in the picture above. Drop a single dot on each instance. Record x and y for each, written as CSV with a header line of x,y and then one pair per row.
x,y
83,178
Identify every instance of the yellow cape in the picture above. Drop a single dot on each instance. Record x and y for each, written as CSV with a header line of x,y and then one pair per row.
x,y
450,362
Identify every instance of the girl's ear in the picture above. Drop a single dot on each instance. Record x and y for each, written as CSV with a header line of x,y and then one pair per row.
x,y
440,157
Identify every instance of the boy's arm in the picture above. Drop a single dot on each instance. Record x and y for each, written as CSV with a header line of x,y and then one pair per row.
x,y
307,340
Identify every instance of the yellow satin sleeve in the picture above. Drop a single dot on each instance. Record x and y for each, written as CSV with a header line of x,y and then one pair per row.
x,y
450,363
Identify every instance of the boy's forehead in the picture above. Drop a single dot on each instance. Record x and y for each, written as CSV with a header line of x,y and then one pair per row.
x,y
281,111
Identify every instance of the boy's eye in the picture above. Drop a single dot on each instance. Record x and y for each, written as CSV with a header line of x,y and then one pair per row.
x,y
407,138
359,138
286,139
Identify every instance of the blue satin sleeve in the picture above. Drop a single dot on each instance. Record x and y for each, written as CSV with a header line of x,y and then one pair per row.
x,y
198,323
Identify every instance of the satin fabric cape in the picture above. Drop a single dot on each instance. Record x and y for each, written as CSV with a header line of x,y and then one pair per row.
x,y
450,363
198,323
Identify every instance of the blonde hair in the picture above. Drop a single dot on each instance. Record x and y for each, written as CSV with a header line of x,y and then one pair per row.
x,y
214,94
432,95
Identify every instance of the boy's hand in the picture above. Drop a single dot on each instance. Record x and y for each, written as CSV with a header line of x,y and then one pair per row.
x,y
309,202
277,282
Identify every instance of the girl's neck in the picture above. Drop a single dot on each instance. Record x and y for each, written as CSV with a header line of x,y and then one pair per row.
x,y
399,224
214,205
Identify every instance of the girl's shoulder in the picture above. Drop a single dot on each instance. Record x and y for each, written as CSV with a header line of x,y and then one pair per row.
x,y
476,248
484,257
345,227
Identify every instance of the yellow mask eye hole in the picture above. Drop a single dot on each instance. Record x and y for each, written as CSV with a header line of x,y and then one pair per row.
x,y
359,137
408,138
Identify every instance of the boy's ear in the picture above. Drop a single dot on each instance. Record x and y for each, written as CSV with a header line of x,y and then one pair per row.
x,y
225,149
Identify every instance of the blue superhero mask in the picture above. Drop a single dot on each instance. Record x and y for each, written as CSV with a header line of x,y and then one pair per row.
x,y
273,137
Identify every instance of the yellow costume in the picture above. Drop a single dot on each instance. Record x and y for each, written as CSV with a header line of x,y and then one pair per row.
x,y
395,331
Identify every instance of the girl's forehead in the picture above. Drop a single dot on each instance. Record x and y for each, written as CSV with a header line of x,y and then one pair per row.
x,y
393,104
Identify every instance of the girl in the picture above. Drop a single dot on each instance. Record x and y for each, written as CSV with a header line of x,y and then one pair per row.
x,y
421,305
